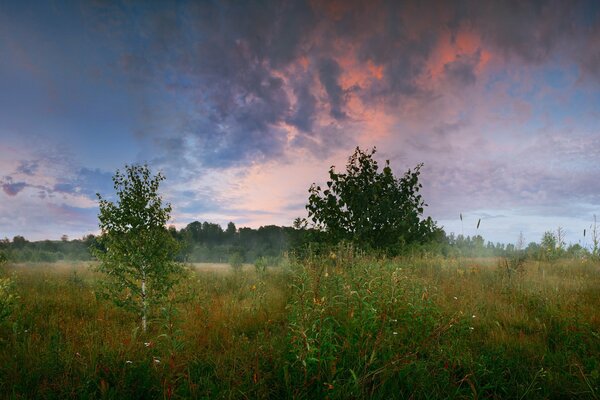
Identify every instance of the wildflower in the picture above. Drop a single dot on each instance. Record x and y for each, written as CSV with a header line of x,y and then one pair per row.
x,y
156,360
128,362
77,354
394,333
473,315
471,328
147,344
455,298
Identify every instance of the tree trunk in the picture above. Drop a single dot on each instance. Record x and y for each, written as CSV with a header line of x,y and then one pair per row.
x,y
144,302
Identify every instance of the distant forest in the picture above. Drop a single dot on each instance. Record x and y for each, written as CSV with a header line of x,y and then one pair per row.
x,y
209,242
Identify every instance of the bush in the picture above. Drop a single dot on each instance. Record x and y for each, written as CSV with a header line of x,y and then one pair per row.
x,y
7,293
8,298
236,261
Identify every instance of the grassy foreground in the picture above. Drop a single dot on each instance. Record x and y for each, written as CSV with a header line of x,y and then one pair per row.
x,y
336,327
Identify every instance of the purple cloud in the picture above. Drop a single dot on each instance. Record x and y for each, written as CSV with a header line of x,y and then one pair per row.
x,y
12,189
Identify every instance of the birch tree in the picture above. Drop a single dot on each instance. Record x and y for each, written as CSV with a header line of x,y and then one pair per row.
x,y
135,250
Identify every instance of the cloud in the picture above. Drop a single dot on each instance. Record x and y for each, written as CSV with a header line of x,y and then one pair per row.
x,y
28,167
461,71
304,113
215,91
12,188
329,75
252,81
530,31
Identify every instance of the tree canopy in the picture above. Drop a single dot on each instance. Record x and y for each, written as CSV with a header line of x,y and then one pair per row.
x,y
371,208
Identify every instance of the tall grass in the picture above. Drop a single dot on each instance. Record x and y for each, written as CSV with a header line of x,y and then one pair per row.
x,y
334,326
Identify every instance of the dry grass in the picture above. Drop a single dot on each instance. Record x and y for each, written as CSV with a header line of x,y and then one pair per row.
x,y
331,327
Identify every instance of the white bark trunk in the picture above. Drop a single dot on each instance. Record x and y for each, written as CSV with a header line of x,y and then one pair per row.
x,y
144,302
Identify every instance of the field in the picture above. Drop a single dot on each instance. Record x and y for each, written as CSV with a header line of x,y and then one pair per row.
x,y
333,327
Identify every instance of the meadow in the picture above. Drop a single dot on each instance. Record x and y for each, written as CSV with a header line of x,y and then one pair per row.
x,y
335,326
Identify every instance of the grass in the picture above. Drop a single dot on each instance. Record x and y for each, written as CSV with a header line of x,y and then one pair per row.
x,y
333,327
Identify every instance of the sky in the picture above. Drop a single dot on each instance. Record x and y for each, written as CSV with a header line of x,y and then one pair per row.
x,y
244,104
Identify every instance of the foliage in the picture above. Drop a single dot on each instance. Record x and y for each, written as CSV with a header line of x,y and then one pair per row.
x,y
549,246
135,250
236,261
208,242
260,265
372,209
8,297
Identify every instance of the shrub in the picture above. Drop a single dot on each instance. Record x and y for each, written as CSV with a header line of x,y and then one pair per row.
x,y
236,261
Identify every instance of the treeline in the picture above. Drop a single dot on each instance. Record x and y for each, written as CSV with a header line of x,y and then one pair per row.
x,y
549,248
199,242
209,242
22,250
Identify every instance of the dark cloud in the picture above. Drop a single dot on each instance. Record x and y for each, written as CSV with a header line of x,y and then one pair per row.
x,y
589,57
304,114
462,70
13,188
243,71
64,187
28,167
229,60
86,182
530,30
329,75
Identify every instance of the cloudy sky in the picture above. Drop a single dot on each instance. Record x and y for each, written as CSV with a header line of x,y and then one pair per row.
x,y
244,104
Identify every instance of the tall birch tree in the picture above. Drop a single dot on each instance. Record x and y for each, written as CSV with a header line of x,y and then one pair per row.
x,y
135,250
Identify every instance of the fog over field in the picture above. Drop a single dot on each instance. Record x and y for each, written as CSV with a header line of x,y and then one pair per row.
x,y
243,106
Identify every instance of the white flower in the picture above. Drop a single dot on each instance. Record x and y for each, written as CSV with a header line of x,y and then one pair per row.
x,y
455,298
473,315
128,362
147,344
471,328
395,333
156,360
